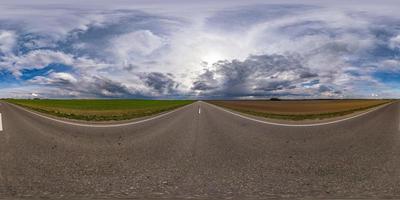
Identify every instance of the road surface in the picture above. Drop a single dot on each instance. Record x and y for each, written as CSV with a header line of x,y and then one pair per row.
x,y
200,152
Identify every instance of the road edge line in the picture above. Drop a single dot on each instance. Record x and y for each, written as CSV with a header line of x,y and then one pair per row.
x,y
100,125
1,123
297,125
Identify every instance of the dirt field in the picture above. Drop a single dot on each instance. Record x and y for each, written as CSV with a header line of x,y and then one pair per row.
x,y
299,109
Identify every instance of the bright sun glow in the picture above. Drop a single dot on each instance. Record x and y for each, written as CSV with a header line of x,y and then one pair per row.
x,y
212,57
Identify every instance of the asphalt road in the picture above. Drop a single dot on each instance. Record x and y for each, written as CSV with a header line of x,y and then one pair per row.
x,y
200,154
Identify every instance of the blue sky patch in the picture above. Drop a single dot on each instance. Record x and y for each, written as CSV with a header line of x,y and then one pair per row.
x,y
388,77
7,79
28,74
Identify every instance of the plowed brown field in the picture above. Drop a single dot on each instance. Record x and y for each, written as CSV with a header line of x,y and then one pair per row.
x,y
299,109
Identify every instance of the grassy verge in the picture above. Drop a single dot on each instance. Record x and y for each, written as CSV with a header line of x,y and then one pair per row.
x,y
299,117
100,110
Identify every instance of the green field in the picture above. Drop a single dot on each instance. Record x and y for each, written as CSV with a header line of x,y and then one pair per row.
x,y
100,110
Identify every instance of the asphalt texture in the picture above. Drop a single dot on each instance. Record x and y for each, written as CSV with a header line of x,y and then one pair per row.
x,y
206,154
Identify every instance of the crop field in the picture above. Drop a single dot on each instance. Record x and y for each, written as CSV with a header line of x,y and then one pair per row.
x,y
100,110
299,109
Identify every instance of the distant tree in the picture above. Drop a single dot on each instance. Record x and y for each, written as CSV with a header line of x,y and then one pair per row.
x,y
274,99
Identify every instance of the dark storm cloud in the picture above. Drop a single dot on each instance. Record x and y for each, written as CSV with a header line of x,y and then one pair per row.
x,y
276,85
205,81
159,82
65,85
261,75
324,88
307,74
108,88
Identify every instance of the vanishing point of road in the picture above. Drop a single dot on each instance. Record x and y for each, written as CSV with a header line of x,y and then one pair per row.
x,y
201,152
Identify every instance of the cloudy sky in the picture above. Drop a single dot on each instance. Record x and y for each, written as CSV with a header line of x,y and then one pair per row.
x,y
213,49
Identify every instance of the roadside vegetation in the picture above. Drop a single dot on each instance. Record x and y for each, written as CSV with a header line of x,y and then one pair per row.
x,y
299,109
100,110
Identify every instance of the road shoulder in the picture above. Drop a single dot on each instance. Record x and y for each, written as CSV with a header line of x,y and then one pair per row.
x,y
307,122
97,123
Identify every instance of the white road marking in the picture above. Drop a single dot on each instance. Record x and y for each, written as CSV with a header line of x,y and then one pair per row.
x,y
199,110
295,125
101,125
1,123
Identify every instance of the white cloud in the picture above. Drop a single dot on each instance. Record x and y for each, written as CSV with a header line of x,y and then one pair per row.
x,y
62,76
133,46
395,42
35,59
41,58
120,46
390,65
7,42
54,22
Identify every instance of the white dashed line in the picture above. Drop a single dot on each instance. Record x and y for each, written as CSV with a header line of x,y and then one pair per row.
x,y
199,110
1,123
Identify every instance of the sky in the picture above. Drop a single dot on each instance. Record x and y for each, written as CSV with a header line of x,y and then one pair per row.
x,y
199,49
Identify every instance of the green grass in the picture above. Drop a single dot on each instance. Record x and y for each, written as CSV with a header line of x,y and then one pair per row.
x,y
100,110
